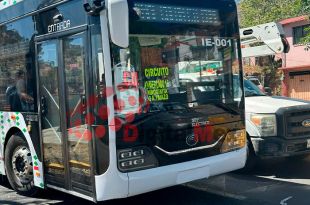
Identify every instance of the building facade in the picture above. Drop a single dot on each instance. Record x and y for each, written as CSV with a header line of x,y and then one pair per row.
x,y
296,63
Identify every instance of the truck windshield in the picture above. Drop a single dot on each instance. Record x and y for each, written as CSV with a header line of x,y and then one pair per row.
x,y
251,89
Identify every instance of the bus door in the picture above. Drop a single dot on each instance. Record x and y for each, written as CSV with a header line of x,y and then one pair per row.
x,y
65,127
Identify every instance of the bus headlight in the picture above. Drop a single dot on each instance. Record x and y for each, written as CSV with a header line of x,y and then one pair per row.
x,y
234,140
265,123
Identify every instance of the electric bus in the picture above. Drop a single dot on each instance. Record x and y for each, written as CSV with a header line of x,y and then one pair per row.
x,y
95,103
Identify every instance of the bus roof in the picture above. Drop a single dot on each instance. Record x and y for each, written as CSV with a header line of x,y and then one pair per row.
x,y
10,11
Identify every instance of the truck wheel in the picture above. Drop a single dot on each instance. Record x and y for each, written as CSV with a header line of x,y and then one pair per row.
x,y
18,165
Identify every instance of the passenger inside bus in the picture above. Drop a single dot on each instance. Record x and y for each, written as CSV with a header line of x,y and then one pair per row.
x,y
17,95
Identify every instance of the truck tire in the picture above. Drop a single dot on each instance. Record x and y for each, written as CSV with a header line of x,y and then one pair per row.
x,y
18,165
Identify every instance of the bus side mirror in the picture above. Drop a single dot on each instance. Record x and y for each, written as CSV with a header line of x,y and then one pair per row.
x,y
118,14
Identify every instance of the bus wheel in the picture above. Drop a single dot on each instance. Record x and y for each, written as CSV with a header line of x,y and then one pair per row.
x,y
251,160
18,165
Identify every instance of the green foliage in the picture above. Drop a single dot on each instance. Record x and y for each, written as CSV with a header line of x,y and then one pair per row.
x,y
305,4
306,40
254,12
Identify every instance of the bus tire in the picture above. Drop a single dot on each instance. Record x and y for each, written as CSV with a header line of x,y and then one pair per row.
x,y
18,165
251,160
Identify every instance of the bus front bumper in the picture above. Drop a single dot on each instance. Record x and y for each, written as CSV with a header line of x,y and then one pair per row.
x,y
114,184
162,177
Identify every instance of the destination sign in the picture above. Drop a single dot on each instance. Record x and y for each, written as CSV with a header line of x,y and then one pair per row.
x,y
157,87
176,14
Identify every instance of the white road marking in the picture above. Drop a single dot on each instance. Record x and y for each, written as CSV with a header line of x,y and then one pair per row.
x,y
296,181
283,202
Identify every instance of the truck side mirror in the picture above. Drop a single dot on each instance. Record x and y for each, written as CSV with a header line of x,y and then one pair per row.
x,y
118,14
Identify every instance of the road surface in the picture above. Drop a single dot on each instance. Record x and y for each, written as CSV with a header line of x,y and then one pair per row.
x,y
283,182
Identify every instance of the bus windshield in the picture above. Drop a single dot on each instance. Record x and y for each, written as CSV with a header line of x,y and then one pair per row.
x,y
173,50
178,70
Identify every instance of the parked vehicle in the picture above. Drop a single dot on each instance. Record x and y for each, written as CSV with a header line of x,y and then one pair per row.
x,y
276,126
257,82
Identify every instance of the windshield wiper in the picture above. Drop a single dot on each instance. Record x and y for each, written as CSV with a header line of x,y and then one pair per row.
x,y
253,94
228,107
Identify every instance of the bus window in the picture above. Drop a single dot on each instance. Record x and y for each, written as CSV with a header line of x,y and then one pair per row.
x,y
17,74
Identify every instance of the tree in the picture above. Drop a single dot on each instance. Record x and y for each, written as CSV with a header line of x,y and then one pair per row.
x,y
305,4
306,10
254,12
306,40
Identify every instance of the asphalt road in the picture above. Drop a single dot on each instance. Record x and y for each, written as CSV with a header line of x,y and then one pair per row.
x,y
284,182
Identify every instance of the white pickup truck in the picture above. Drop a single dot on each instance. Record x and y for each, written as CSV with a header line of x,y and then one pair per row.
x,y
276,126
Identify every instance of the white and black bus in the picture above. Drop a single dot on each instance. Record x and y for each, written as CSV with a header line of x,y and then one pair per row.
x,y
110,99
